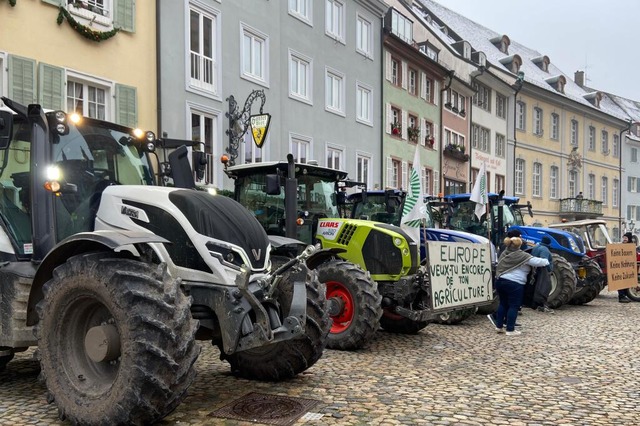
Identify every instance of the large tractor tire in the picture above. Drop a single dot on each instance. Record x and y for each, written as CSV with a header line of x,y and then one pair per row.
x,y
563,282
395,323
286,359
455,317
592,286
4,359
116,340
354,304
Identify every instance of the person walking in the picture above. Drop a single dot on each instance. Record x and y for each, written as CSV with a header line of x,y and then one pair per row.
x,y
542,286
513,268
622,294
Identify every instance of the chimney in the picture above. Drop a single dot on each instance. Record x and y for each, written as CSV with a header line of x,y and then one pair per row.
x,y
579,78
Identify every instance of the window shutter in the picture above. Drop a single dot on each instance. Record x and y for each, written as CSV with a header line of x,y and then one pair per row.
x,y
423,85
405,170
125,15
387,128
436,182
436,142
22,80
389,172
387,56
637,214
629,185
51,82
404,75
126,105
436,92
404,124
423,132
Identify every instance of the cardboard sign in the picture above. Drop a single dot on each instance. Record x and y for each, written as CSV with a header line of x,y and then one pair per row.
x,y
621,266
460,274
259,128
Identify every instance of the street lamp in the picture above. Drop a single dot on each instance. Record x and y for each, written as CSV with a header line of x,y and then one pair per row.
x,y
517,86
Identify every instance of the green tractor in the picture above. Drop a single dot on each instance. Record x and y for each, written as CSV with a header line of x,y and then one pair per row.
x,y
374,277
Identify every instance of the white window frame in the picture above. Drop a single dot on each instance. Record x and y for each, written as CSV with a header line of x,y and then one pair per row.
x,y
297,7
500,149
298,60
362,88
615,148
573,183
634,155
555,126
519,178
104,21
364,36
501,106
574,133
592,139
217,143
521,115
85,79
605,190
605,142
367,158
591,186
536,190
335,22
537,121
198,85
334,76
333,152
553,182
614,194
262,40
298,141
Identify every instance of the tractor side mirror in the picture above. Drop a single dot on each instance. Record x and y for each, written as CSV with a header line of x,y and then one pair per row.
x,y
6,129
199,163
272,185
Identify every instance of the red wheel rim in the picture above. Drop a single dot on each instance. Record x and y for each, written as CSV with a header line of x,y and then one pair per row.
x,y
342,321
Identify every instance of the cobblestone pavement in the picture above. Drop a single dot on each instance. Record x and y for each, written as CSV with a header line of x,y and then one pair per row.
x,y
575,367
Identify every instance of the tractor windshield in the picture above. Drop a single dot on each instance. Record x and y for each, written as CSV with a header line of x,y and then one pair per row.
x,y
597,235
379,209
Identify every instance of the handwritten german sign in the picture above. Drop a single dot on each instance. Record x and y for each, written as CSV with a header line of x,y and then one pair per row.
x,y
460,274
621,266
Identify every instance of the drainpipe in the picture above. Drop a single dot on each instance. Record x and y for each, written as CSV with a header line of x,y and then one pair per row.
x,y
158,71
629,123
450,75
482,69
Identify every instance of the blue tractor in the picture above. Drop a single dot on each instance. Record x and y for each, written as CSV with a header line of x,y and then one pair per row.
x,y
576,279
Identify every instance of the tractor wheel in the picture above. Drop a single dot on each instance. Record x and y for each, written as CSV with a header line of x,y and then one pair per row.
x,y
455,317
354,304
563,282
489,309
286,359
591,287
4,359
633,293
395,323
116,340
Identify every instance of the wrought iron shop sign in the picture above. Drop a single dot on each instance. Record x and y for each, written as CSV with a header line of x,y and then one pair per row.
x,y
259,128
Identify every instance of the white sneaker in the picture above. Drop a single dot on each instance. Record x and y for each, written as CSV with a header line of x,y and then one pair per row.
x,y
499,330
514,333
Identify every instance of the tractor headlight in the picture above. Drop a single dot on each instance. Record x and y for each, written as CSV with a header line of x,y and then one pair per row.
x,y
397,241
573,245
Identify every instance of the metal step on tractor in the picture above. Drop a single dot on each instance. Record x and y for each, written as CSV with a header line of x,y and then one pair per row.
x,y
114,277
375,277
387,206
576,279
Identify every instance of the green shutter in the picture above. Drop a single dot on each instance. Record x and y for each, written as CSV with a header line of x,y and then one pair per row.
x,y
54,2
126,105
51,86
22,80
124,16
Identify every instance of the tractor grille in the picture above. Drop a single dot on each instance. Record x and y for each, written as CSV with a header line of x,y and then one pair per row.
x,y
345,235
380,255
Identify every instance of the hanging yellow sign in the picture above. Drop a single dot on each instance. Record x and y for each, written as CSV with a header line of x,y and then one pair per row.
x,y
259,128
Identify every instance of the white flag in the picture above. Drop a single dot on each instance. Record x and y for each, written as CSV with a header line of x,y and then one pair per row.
x,y
411,213
479,192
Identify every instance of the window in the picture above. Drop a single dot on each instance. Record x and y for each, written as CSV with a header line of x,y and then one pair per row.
x,y
573,181
401,26
300,77
591,186
334,95
301,9
605,142
480,138
335,19
252,154
521,112
616,145
631,184
537,121
605,190
364,37
500,181
500,146
254,55
202,42
396,122
428,89
634,155
616,189
537,180
592,138
363,168
519,182
203,130
553,182
364,104
413,129
300,147
482,98
555,126
574,132
100,14
396,173
87,99
501,106
396,72
430,51
335,158
413,82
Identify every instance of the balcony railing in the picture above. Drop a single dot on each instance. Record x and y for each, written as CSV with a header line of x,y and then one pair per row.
x,y
580,207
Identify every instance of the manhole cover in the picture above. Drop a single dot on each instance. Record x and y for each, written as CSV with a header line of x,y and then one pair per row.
x,y
265,408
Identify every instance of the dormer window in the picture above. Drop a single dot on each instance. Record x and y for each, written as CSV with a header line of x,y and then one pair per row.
x,y
594,98
513,63
502,43
479,58
557,82
463,48
542,62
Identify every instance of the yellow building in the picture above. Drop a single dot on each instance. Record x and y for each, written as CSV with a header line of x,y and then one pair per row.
x,y
97,58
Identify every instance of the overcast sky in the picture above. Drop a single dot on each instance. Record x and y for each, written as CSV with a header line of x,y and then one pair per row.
x,y
597,36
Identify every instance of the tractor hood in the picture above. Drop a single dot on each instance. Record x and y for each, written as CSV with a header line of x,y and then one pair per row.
x,y
561,240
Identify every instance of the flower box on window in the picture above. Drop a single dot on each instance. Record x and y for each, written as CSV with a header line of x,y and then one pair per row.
x,y
456,151
396,129
430,141
413,133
